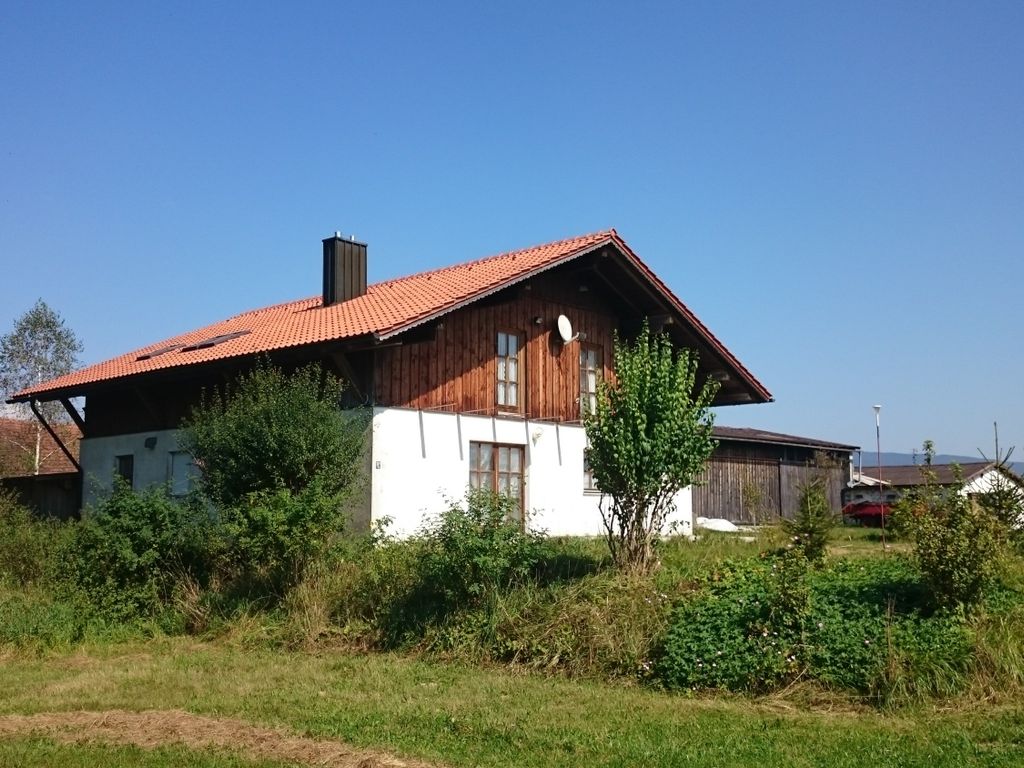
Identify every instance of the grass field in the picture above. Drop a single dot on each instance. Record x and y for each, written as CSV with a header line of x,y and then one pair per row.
x,y
463,716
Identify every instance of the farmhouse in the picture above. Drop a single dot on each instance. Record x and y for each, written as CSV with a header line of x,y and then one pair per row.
x,y
476,375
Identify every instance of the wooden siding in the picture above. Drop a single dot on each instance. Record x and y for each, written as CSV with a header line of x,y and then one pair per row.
x,y
456,370
740,490
752,483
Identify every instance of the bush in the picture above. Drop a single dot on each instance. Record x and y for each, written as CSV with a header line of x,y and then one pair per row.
x,y
27,544
862,626
476,548
742,632
955,541
273,431
125,555
273,535
812,526
277,457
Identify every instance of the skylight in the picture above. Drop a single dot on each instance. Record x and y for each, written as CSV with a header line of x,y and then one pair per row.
x,y
214,341
158,352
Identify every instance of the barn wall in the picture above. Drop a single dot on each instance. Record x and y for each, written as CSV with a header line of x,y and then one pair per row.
x,y
752,483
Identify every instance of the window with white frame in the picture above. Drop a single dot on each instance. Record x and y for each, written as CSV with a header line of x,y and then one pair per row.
x,y
508,384
591,362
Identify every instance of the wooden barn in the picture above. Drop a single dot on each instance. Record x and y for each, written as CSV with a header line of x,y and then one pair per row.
x,y
755,476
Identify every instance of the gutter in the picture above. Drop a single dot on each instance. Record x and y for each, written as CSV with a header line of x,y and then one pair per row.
x,y
54,435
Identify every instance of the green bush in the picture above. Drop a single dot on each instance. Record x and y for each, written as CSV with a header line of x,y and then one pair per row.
x,y
956,541
865,626
32,618
273,431
125,555
741,632
27,544
273,535
812,526
476,548
278,456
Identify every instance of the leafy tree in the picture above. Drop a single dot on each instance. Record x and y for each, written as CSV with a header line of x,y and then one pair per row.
x,y
40,347
277,456
650,437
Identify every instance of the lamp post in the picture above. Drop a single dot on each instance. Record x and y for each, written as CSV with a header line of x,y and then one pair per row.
x,y
878,472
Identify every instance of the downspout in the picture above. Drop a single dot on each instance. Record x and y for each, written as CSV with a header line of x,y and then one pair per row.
x,y
54,435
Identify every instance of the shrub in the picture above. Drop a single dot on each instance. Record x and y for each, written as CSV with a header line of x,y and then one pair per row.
x,y
125,555
955,540
273,431
475,548
812,526
277,457
864,626
740,633
27,544
272,535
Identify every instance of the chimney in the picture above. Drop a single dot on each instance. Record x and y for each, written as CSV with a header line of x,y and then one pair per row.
x,y
344,269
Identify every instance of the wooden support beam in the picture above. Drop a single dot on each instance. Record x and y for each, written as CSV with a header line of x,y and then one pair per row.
x,y
74,414
54,435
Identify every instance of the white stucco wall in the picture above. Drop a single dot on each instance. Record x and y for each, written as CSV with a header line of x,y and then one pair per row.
x,y
421,458
152,465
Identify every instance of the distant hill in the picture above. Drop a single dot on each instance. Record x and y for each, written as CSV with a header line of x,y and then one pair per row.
x,y
890,459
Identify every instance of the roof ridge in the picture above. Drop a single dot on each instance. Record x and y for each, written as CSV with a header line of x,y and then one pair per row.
x,y
493,257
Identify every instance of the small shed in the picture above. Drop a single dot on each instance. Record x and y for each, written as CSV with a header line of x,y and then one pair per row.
x,y
755,476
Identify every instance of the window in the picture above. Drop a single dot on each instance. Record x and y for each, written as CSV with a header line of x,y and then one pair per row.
x,y
588,475
183,473
509,347
124,467
497,468
214,341
591,363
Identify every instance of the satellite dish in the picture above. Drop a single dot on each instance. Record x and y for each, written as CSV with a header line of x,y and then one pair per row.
x,y
565,329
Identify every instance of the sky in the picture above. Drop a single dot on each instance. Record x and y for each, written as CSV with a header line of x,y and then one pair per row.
x,y
836,190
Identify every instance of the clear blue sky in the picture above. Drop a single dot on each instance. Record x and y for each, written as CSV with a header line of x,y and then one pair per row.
x,y
837,190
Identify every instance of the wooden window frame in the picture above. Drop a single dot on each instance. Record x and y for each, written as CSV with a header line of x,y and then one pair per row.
x,y
500,382
586,396
123,461
493,473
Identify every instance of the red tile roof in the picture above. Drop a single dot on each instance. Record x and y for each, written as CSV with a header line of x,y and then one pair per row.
x,y
17,448
387,309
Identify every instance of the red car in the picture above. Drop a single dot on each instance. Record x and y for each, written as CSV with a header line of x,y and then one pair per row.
x,y
869,513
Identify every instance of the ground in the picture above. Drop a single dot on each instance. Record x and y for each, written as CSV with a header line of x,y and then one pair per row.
x,y
179,702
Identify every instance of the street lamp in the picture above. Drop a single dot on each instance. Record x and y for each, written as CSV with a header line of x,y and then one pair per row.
x,y
878,472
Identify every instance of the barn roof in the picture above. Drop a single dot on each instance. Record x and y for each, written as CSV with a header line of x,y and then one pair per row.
x,y
17,448
384,311
749,435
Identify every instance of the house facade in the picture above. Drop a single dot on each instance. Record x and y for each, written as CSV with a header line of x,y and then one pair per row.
x,y
476,375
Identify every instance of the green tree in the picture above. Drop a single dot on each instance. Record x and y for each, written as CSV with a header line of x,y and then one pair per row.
x,y
650,437
811,527
277,456
40,347
956,541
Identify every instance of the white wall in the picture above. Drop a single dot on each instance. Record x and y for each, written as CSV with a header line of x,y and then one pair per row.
x,y
421,458
152,465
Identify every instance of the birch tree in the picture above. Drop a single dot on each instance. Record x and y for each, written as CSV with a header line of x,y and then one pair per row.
x,y
40,347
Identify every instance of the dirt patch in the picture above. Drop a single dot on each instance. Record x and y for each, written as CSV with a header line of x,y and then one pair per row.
x,y
155,728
